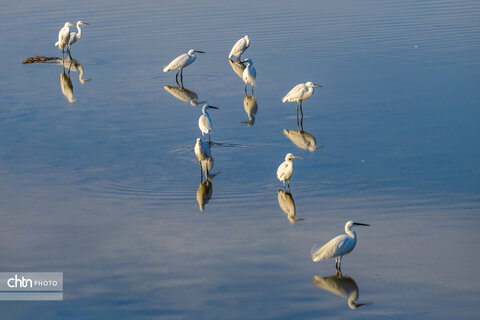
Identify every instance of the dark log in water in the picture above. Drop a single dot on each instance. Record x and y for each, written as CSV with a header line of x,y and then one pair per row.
x,y
39,59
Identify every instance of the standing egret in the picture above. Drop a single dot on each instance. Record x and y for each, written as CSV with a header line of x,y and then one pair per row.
x,y
75,36
239,47
202,150
339,246
63,36
181,62
249,74
204,122
285,170
204,156
299,93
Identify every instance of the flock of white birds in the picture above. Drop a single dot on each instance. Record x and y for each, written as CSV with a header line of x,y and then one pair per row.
x,y
335,248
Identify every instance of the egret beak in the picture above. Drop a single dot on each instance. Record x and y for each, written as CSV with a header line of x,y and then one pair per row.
x,y
361,224
212,107
198,51
85,23
317,85
297,157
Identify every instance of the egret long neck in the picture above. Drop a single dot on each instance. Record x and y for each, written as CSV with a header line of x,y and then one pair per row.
x,y
79,31
350,232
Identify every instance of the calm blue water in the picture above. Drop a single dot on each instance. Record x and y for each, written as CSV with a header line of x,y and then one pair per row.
x,y
107,188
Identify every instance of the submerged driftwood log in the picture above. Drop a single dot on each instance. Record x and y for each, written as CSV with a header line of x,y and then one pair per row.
x,y
40,59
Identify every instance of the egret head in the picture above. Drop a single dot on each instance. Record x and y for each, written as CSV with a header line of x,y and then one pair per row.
x,y
291,156
310,84
351,224
249,61
198,140
68,24
192,51
207,106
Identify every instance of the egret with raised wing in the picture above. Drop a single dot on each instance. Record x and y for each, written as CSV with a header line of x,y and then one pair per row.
x,y
181,62
285,170
63,36
239,48
300,92
204,122
339,246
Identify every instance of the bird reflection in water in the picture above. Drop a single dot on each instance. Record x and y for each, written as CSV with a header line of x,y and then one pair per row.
x,y
251,107
301,138
65,81
238,67
342,286
67,86
286,203
183,94
75,66
204,193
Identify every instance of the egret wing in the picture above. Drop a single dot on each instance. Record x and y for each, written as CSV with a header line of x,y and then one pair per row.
x,y
330,249
238,48
177,63
205,124
295,94
281,171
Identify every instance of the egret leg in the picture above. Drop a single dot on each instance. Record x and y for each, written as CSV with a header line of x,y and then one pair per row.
x,y
340,263
176,78
252,91
245,89
181,77
301,122
289,185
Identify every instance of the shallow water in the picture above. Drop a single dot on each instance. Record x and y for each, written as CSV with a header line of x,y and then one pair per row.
x,y
107,188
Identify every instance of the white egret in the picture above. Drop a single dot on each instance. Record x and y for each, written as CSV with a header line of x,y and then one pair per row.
x,y
239,47
75,36
299,93
202,150
204,156
342,286
204,122
285,170
249,74
181,62
63,36
339,246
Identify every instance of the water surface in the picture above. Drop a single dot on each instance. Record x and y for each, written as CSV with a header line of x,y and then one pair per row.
x,y
105,188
